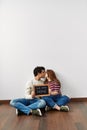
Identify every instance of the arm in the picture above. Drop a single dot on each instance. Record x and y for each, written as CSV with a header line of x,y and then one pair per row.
x,y
29,93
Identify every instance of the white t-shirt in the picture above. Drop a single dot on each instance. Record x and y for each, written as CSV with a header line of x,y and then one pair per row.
x,y
29,87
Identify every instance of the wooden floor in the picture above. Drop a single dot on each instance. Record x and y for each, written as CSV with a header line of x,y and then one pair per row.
x,y
75,119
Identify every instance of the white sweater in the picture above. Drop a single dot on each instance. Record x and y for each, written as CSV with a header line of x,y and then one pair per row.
x,y
29,87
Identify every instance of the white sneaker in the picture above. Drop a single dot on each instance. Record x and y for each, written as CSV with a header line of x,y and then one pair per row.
x,y
17,112
37,112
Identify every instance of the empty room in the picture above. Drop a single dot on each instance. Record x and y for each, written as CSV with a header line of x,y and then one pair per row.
x,y
43,65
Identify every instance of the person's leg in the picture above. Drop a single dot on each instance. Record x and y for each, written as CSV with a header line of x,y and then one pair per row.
x,y
40,103
54,98
53,101
15,102
62,100
49,101
21,104
37,107
27,105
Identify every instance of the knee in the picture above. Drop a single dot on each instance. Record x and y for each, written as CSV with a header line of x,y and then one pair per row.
x,y
12,102
67,98
42,103
45,98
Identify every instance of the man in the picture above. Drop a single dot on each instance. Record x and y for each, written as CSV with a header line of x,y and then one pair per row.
x,y
31,104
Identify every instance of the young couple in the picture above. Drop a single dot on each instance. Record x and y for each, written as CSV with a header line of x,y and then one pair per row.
x,y
31,104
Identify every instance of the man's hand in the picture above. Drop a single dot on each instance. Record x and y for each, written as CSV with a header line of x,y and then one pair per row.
x,y
33,94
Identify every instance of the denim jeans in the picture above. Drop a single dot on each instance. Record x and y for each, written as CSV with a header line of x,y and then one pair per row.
x,y
53,100
26,105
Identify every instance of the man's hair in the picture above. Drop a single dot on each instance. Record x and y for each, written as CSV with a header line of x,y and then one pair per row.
x,y
38,69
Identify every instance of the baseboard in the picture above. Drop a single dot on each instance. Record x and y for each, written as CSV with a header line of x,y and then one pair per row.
x,y
4,102
84,99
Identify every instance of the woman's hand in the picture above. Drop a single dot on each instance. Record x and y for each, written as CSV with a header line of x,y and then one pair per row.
x,y
53,93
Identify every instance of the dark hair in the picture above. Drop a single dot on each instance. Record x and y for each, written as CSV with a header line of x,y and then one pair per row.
x,y
38,69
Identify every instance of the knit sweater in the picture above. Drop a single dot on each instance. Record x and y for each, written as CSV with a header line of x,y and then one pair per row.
x,y
54,86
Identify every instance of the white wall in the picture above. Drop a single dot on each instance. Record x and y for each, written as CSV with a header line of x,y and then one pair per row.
x,y
52,33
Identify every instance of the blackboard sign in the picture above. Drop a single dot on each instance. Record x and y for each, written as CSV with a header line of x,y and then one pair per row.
x,y
41,90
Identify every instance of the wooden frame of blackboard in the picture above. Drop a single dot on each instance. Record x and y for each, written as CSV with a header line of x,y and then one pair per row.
x,y
41,90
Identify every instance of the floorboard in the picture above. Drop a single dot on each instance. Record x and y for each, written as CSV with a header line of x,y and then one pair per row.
x,y
75,119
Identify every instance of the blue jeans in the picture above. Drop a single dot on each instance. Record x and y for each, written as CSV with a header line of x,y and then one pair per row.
x,y
58,99
26,105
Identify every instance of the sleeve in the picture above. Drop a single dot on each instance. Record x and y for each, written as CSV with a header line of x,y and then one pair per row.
x,y
28,90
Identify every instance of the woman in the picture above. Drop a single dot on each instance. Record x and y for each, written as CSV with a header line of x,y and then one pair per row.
x,y
56,100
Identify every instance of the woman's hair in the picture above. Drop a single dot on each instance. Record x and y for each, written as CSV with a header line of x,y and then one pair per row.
x,y
51,74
